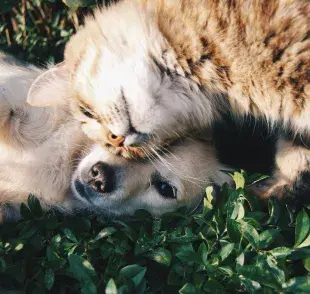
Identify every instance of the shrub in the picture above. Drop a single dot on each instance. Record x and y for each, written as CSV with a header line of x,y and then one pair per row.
x,y
231,247
37,30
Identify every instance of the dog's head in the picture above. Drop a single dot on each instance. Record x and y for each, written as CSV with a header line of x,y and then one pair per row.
x,y
117,186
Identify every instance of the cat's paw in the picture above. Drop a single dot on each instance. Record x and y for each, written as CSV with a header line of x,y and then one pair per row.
x,y
275,186
297,191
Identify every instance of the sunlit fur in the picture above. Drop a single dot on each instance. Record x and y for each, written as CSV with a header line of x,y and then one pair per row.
x,y
165,67
38,146
42,147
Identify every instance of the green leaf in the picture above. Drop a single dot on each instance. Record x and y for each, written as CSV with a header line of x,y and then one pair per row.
x,y
133,272
209,192
267,237
207,201
305,243
240,259
302,227
238,211
88,287
75,4
111,287
238,179
297,285
7,5
188,289
162,256
226,250
256,177
281,252
105,233
214,287
233,231
203,252
26,212
81,268
35,206
189,256
265,271
49,279
306,263
274,211
251,285
68,233
56,240
300,253
2,265
248,232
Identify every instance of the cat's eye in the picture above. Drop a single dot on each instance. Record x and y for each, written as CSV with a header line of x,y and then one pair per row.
x,y
86,112
165,189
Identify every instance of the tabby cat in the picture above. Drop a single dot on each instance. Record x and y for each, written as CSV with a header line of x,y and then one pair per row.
x,y
143,72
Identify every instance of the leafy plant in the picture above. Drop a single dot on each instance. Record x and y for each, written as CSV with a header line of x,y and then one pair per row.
x,y
232,246
37,30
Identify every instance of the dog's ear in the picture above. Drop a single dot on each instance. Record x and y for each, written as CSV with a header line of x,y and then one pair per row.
x,y
50,88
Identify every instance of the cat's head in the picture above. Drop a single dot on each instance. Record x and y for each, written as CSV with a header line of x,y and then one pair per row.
x,y
125,85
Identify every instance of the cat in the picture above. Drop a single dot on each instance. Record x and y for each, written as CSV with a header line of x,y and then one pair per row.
x,y
142,73
44,152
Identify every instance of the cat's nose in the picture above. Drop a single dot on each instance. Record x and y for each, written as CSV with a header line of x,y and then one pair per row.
x,y
116,141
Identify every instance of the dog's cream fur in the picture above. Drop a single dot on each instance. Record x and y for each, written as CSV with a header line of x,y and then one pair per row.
x,y
41,148
37,145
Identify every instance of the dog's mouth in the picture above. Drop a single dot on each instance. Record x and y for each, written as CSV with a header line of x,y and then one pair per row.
x,y
84,191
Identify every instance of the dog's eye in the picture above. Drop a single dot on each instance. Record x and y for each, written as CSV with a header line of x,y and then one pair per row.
x,y
86,112
165,189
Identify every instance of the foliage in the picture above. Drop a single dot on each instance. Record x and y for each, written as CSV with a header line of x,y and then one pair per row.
x,y
37,30
233,246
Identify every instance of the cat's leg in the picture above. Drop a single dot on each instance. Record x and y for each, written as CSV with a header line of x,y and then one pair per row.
x,y
291,177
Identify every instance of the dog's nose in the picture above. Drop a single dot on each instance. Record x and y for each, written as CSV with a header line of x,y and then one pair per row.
x,y
116,141
101,178
96,177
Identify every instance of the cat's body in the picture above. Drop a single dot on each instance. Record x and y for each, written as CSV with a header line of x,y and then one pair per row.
x,y
145,72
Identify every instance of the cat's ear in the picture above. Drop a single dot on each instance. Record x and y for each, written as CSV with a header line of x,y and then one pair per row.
x,y
50,88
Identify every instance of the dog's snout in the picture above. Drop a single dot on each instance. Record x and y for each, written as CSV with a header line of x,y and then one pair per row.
x,y
100,178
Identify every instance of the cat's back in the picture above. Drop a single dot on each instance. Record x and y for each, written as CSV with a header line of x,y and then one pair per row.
x,y
257,51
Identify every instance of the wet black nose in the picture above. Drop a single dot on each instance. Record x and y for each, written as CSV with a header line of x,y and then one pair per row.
x,y
97,177
101,178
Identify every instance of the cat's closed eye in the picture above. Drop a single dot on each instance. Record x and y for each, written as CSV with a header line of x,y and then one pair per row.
x,y
86,112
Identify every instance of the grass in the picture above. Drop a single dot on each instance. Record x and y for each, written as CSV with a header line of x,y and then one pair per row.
x,y
235,246
231,247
